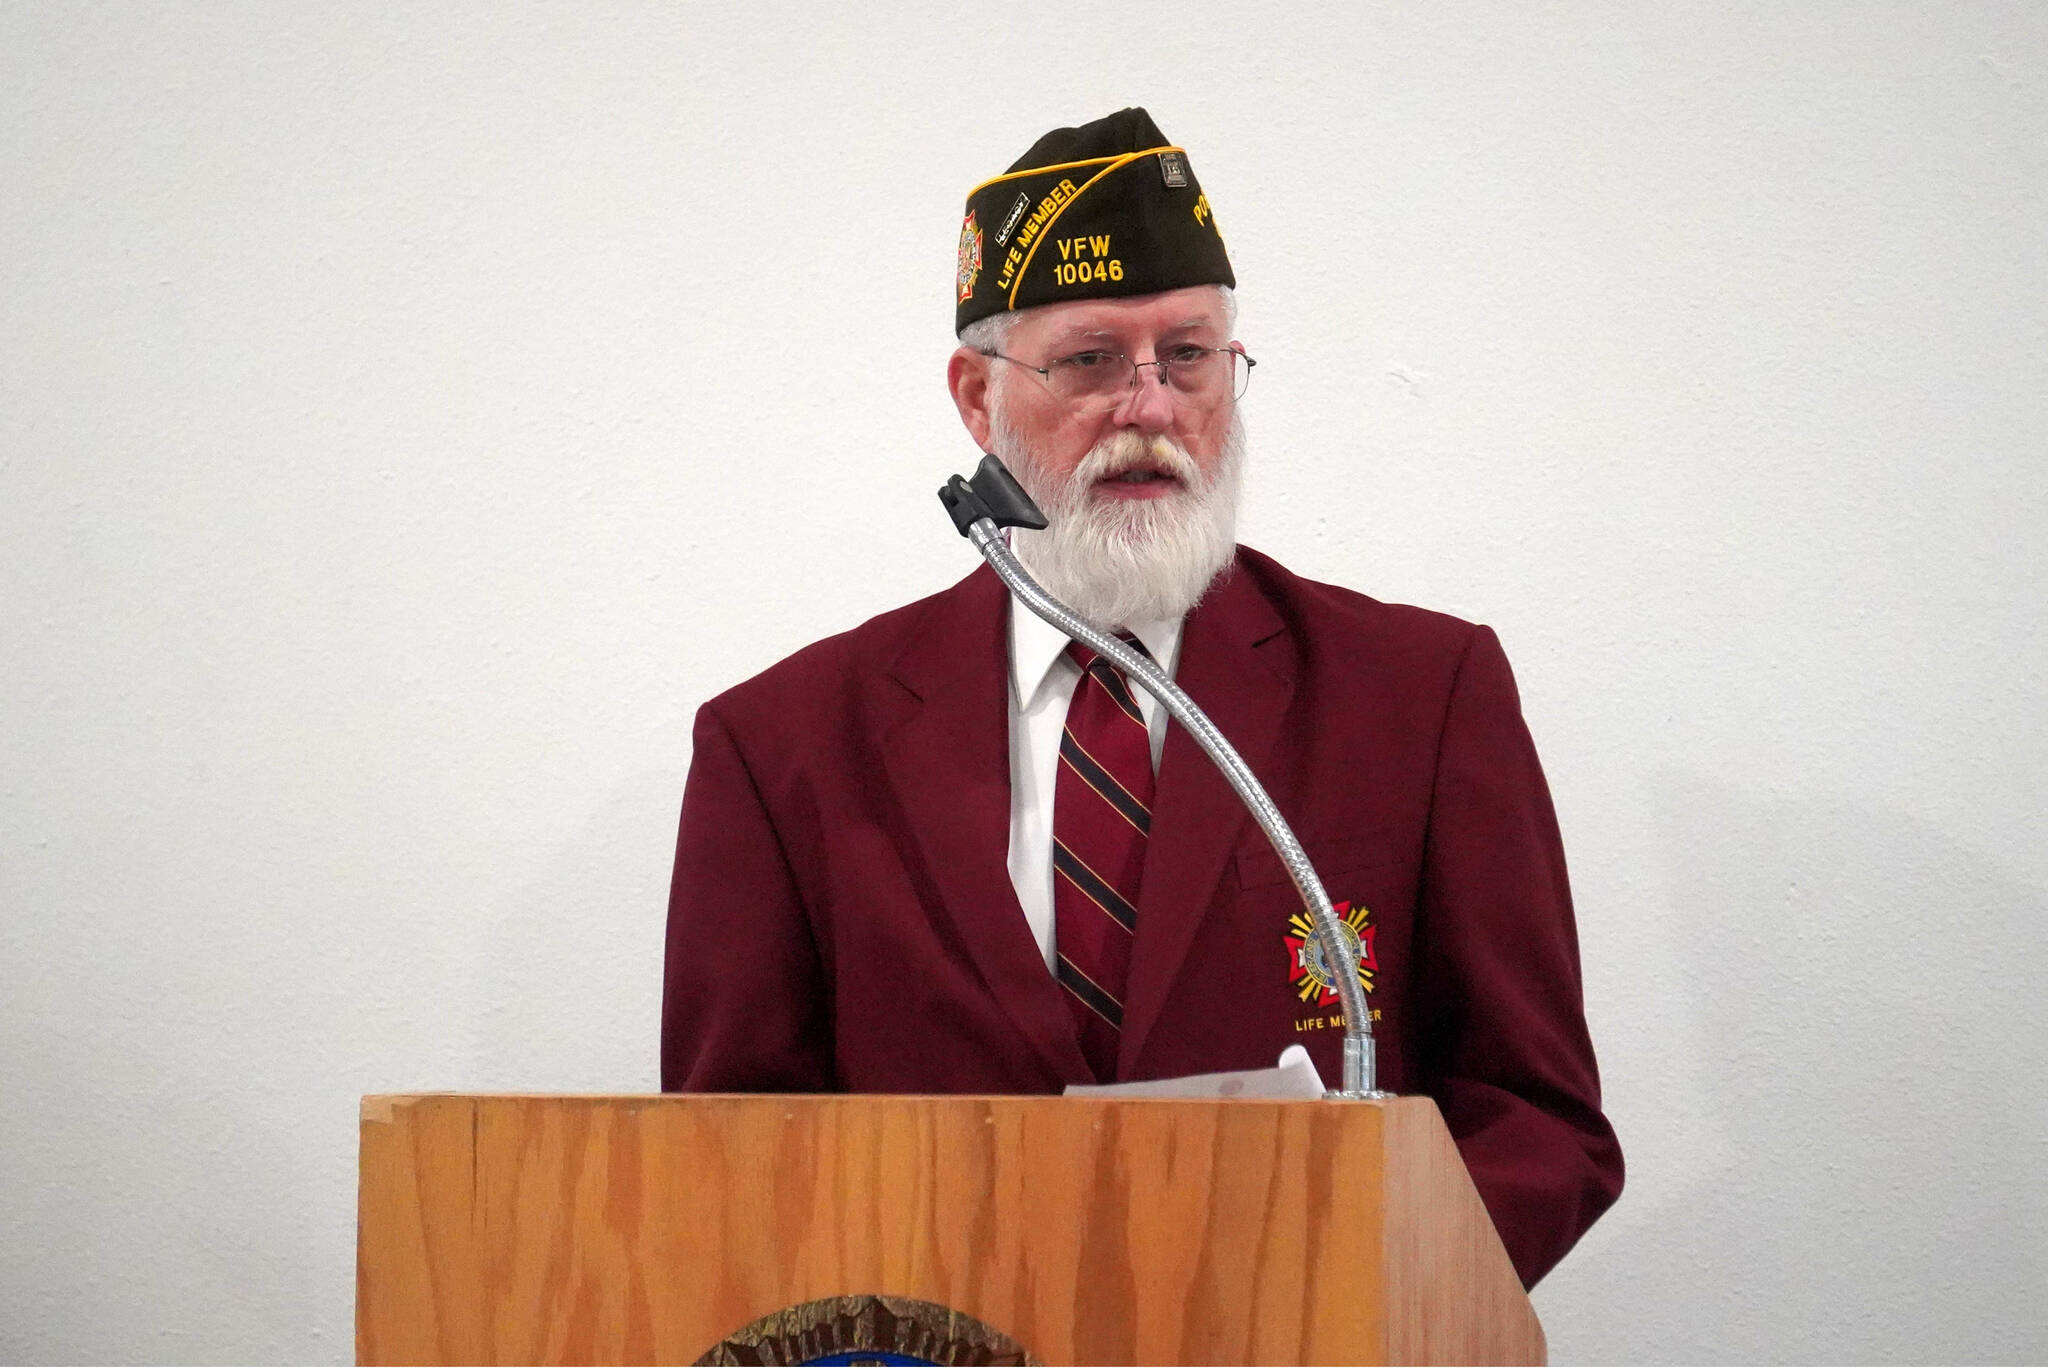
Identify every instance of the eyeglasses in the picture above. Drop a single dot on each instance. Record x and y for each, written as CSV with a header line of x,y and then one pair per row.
x,y
1097,381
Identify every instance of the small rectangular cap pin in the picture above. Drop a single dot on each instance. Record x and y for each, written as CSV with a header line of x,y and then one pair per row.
x,y
1173,170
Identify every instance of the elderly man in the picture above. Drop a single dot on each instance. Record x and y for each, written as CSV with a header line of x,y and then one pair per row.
x,y
949,852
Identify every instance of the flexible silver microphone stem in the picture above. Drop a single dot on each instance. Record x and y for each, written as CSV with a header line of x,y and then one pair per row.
x,y
1360,1067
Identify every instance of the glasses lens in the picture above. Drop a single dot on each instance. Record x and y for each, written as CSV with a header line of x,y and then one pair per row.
x,y
1204,377
1091,379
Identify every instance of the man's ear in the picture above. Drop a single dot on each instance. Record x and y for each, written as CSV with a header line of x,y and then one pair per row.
x,y
967,377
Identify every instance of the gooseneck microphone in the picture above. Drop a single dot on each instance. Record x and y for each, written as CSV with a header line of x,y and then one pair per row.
x,y
992,500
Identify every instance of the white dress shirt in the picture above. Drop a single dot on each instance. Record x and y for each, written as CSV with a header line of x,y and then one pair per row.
x,y
1042,680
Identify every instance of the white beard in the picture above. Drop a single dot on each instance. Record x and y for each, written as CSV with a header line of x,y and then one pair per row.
x,y
1120,561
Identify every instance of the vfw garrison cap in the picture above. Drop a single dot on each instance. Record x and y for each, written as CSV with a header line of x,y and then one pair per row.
x,y
1107,209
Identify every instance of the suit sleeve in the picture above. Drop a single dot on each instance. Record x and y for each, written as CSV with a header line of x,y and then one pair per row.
x,y
1509,1060
744,1003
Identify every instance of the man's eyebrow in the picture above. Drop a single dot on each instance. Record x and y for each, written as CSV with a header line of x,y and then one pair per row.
x,y
1109,333
1074,337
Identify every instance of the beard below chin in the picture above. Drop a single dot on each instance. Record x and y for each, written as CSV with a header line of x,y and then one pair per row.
x,y
1121,561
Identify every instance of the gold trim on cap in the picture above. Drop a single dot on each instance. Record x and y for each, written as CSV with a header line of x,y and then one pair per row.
x,y
1065,166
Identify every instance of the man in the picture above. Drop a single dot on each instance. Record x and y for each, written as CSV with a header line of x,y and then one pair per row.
x,y
944,853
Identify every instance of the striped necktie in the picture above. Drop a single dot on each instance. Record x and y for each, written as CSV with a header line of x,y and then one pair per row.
x,y
1101,814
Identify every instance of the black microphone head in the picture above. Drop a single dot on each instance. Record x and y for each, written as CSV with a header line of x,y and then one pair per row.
x,y
994,494
1005,498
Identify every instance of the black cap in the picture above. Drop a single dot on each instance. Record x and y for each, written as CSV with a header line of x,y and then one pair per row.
x,y
1107,209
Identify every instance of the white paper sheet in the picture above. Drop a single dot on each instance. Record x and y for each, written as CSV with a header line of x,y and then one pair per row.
x,y
1294,1076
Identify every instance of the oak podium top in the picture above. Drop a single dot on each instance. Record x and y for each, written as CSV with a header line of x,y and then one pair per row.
x,y
664,1228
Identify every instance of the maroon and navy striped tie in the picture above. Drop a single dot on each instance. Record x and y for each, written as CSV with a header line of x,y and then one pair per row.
x,y
1101,815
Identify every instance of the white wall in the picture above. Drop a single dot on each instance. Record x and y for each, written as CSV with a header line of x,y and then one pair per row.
x,y
408,415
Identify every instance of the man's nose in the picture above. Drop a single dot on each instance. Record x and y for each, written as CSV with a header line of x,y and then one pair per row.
x,y
1149,403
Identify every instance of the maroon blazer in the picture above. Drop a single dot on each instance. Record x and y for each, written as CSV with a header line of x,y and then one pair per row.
x,y
842,917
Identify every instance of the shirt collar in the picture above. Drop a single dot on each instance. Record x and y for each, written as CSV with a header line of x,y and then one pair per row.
x,y
1036,646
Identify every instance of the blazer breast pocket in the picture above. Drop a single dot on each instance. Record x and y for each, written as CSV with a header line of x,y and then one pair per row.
x,y
1259,865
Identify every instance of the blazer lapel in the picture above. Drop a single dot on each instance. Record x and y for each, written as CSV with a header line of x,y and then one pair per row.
x,y
1196,816
949,760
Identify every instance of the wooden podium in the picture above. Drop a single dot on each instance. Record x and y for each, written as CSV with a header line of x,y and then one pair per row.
x,y
508,1229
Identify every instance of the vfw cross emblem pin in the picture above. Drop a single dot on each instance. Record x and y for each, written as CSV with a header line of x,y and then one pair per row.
x,y
1308,970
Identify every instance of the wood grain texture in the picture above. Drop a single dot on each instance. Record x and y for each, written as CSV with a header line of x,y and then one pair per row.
x,y
646,1229
1452,1293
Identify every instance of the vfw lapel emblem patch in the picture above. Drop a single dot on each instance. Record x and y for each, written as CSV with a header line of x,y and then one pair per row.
x,y
970,256
1308,970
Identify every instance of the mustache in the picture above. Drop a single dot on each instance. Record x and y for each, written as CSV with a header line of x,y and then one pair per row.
x,y
1125,451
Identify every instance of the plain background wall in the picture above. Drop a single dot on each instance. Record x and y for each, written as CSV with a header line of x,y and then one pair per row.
x,y
410,414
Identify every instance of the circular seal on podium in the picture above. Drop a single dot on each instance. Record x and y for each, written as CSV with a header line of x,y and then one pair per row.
x,y
867,1329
